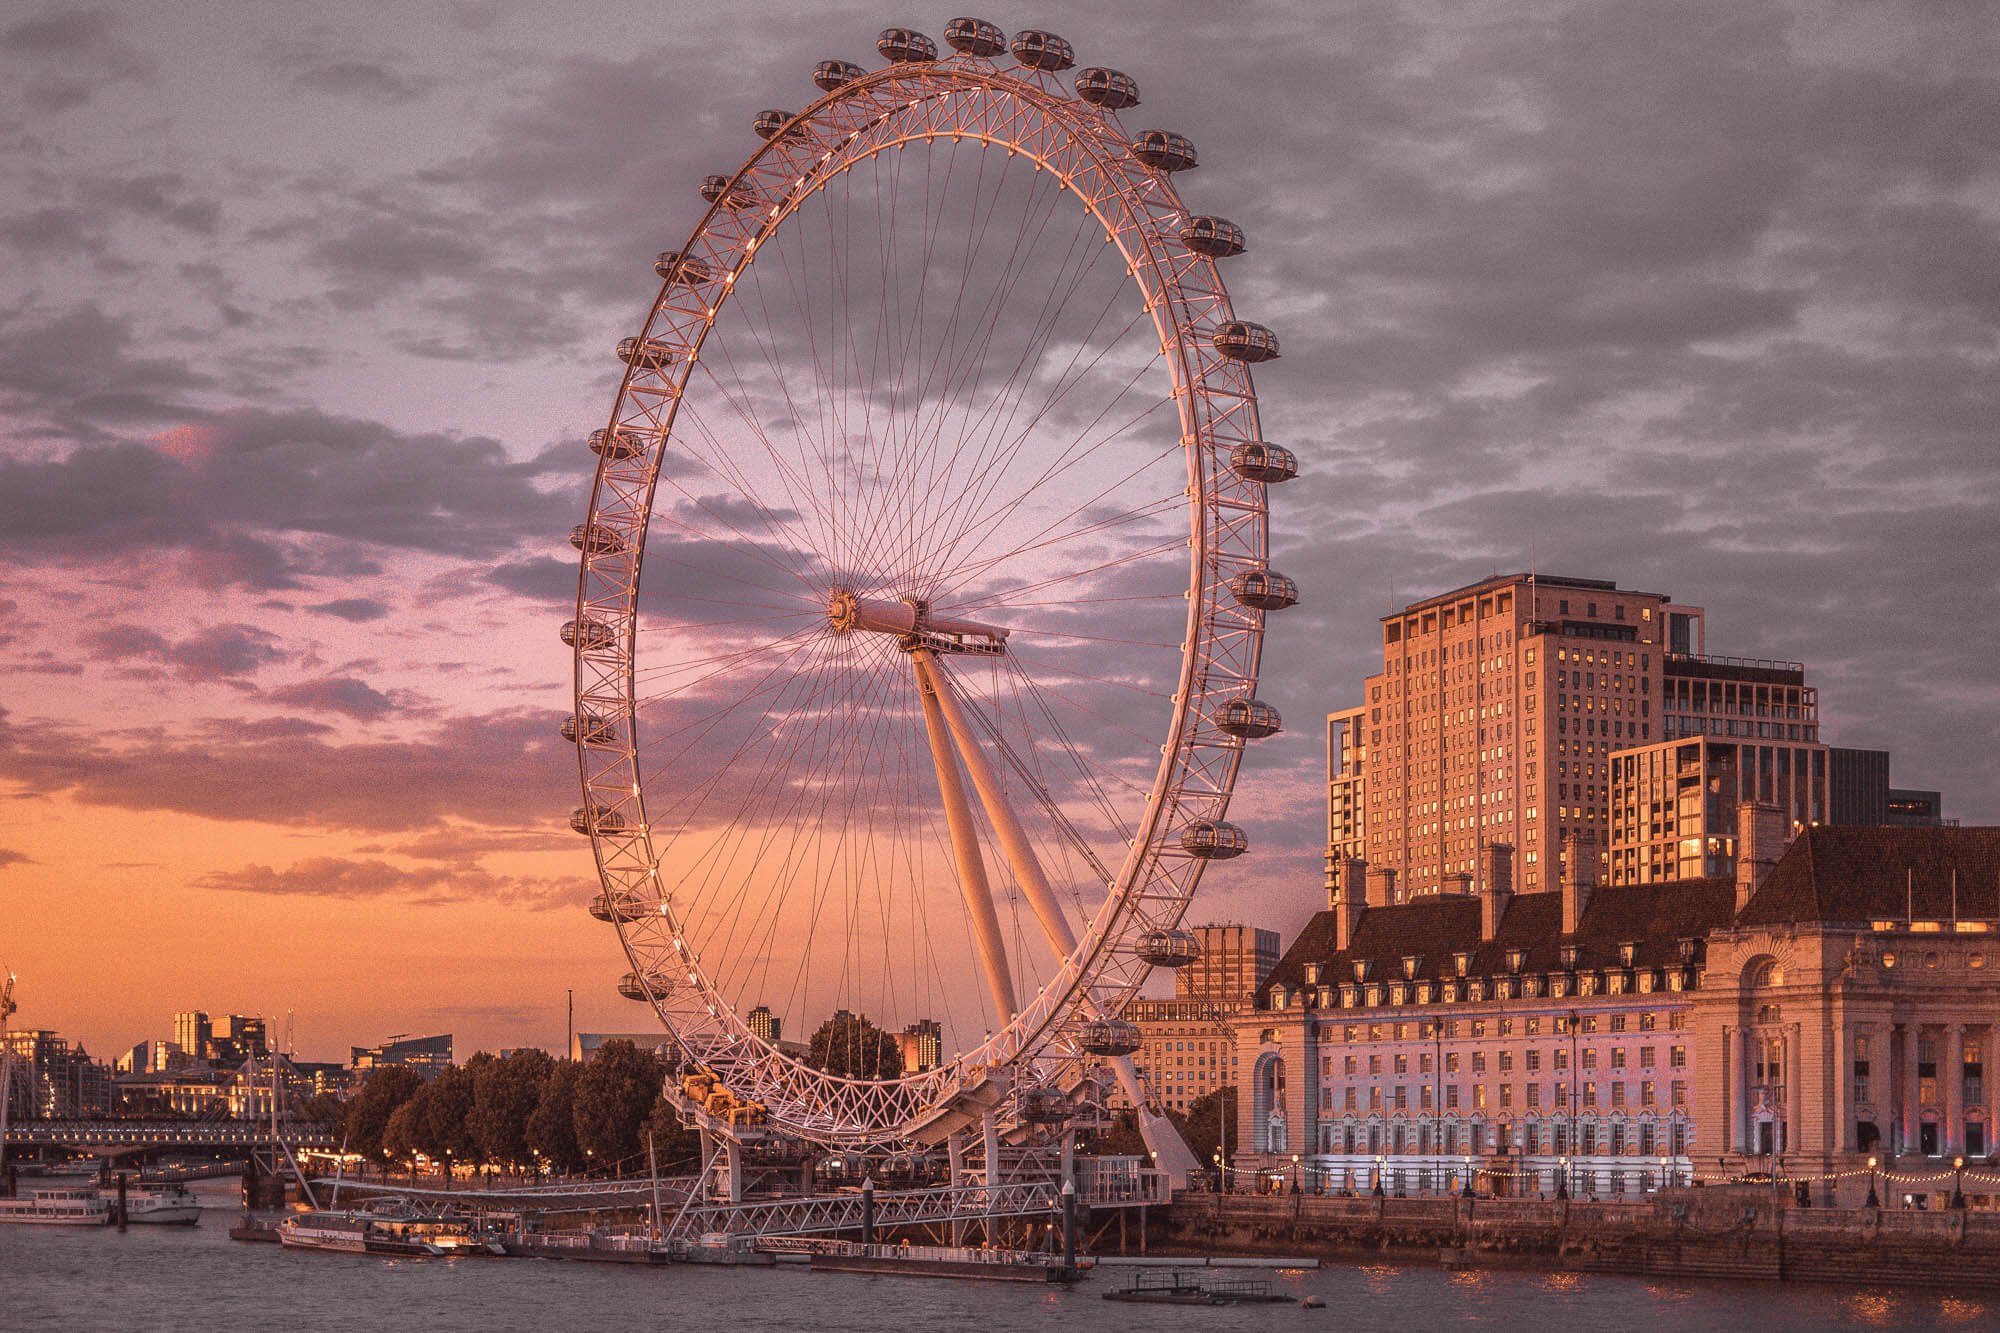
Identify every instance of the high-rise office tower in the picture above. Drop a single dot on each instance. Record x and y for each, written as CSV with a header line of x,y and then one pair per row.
x,y
1492,721
192,1033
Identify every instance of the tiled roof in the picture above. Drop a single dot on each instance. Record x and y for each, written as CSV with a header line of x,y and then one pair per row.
x,y
1855,875
1654,917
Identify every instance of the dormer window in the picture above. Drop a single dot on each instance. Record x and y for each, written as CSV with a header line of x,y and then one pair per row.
x,y
1461,961
1410,962
1361,969
1569,957
1687,950
1515,957
1626,951
1312,974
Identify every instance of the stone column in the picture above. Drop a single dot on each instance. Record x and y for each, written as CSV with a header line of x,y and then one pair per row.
x,y
1747,1041
1842,1137
1795,1072
1989,1076
1912,1108
1952,1076
1726,1073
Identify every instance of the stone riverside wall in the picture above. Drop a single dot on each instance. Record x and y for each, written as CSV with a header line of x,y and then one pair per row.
x,y
1736,1232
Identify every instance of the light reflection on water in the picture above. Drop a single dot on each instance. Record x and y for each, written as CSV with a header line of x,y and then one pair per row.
x,y
68,1279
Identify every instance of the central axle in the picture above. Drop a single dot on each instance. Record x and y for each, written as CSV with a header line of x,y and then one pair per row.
x,y
911,620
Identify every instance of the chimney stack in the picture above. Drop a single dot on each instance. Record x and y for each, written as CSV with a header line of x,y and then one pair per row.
x,y
1496,872
1579,876
1346,880
1381,886
1458,885
1350,900
1760,838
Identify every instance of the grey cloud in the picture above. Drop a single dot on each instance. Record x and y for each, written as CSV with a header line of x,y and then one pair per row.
x,y
428,886
217,652
339,694
360,610
69,55
10,857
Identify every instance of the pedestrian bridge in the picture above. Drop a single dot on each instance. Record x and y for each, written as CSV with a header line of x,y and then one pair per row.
x,y
128,1135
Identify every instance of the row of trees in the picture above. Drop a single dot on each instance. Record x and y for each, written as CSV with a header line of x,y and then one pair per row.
x,y
522,1109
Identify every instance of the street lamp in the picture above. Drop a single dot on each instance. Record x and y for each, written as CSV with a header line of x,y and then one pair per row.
x,y
1873,1200
1562,1181
1380,1163
1295,1173
1958,1184
1219,1186
1467,1191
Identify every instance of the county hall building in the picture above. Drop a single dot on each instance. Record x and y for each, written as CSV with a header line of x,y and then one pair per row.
x,y
1796,1019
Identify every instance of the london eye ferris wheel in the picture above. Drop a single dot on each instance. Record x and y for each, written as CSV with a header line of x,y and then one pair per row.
x,y
939,453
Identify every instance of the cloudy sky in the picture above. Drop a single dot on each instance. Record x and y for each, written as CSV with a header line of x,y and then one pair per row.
x,y
304,312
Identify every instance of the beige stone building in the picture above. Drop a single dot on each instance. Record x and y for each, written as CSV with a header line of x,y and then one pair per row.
x,y
1791,1020
1189,1048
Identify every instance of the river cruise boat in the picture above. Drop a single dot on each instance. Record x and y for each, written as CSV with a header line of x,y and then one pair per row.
x,y
158,1205
387,1234
64,1206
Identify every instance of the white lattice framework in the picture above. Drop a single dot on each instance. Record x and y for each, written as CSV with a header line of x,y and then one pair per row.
x,y
1029,112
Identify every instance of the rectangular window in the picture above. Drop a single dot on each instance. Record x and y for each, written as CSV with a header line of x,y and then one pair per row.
x,y
1646,1056
1677,1057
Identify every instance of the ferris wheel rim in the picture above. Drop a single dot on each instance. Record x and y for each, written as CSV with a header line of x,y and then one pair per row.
x,y
1085,971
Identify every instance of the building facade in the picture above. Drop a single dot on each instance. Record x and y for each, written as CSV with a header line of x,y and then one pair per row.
x,y
921,1045
1493,720
1188,1043
1794,1019
1674,803
429,1056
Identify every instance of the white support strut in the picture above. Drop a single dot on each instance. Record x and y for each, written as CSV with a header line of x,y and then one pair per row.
x,y
972,879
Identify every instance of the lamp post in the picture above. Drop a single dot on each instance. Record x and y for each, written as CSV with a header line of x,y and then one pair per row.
x,y
1562,1181
1573,1022
1874,1201
1380,1163
1467,1191
1958,1183
1295,1173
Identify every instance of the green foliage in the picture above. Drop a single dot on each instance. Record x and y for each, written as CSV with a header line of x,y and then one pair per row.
x,y
400,1134
678,1147
851,1046
505,1093
1204,1124
614,1094
366,1120
442,1108
552,1126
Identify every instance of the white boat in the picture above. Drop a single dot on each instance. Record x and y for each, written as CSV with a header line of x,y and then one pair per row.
x,y
384,1232
158,1205
65,1206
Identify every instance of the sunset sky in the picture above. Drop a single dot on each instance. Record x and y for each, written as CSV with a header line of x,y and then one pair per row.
x,y
305,312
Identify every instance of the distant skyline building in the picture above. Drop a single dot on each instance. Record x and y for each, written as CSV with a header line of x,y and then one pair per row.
x,y
1234,961
52,1079
1858,786
1911,808
192,1032
238,1037
429,1056
765,1025
921,1045
583,1048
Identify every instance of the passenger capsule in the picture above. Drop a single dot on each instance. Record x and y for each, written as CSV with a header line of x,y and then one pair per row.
x,y
903,45
673,266
831,74
1165,150
593,540
1218,238
1168,948
1044,1106
585,819
715,189
1251,719
647,353
1255,460
1042,50
770,124
1240,340
1213,840
1264,589
632,988
621,907
589,635
1108,88
590,728
616,444
1111,1037
975,37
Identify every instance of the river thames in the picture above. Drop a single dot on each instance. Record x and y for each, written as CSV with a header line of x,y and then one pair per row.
x,y
179,1277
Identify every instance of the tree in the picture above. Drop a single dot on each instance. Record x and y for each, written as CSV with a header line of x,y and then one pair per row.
x,y
677,1146
323,1108
552,1127
1123,1137
615,1094
851,1046
366,1118
443,1108
505,1093
399,1136
1207,1117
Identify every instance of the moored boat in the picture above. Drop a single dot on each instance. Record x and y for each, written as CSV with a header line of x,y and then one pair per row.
x,y
387,1234
62,1206
160,1205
